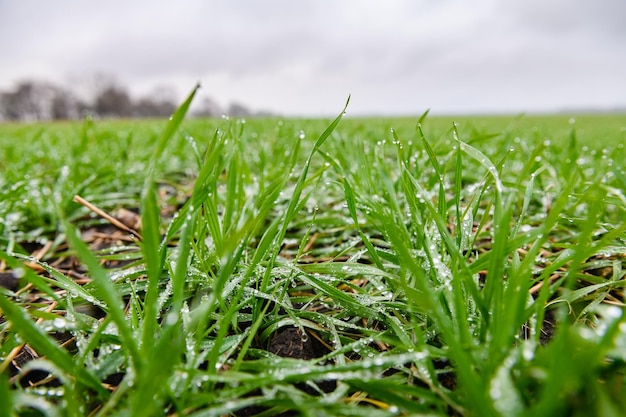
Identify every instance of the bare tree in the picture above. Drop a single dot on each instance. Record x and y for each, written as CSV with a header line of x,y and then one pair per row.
x,y
161,102
113,101
100,95
30,100
147,107
238,110
64,105
207,108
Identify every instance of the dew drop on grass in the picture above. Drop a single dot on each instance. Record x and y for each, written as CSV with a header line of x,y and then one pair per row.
x,y
587,333
171,318
613,312
59,323
528,352
525,228
19,273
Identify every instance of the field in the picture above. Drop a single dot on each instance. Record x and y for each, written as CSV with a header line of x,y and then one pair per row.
x,y
420,266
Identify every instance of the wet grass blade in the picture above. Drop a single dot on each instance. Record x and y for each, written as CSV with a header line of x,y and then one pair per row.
x,y
154,258
294,201
170,129
45,346
6,405
108,293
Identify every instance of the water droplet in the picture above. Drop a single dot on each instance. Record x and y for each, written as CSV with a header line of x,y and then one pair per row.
x,y
19,273
171,319
613,312
59,323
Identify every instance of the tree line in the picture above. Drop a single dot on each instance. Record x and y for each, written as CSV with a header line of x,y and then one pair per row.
x,y
37,100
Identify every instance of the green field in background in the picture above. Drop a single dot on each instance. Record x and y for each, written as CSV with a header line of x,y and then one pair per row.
x,y
469,266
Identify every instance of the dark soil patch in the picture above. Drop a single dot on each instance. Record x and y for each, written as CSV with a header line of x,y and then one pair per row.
x,y
9,281
290,342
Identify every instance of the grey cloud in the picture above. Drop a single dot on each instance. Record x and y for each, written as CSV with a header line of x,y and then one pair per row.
x,y
603,18
395,55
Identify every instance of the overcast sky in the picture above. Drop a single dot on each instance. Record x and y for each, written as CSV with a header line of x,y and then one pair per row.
x,y
305,57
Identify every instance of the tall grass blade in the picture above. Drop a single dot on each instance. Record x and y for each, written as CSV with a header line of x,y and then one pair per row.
x,y
40,341
107,292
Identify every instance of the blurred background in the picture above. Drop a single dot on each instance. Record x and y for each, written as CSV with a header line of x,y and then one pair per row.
x,y
69,58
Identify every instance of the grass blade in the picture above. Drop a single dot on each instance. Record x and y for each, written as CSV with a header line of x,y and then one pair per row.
x,y
40,341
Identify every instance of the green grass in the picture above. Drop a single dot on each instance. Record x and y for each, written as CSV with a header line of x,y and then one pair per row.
x,y
411,266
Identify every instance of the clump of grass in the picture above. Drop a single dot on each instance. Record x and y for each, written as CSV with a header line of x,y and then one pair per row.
x,y
430,268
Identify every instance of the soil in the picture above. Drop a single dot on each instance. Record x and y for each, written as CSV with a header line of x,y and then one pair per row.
x,y
289,342
9,281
